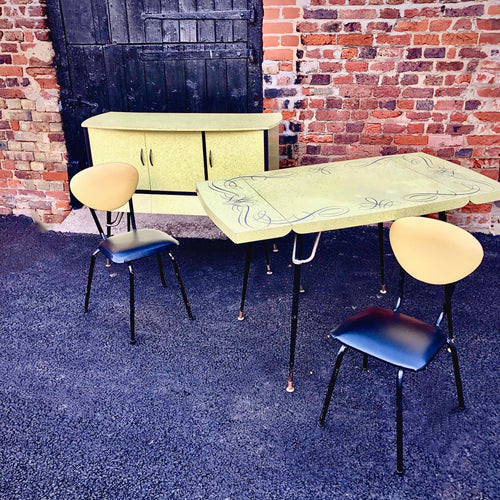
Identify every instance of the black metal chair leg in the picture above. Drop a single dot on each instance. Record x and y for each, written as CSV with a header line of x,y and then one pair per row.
x,y
132,304
181,285
89,280
381,256
108,233
458,378
160,265
399,422
365,362
248,261
333,379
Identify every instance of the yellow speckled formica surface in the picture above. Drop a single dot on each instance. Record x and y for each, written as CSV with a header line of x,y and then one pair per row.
x,y
174,151
183,122
349,193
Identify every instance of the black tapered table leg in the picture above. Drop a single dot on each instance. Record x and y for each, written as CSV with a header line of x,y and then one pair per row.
x,y
295,314
266,255
248,261
381,256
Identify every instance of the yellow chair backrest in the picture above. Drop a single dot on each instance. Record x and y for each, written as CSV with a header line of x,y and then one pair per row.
x,y
105,187
434,251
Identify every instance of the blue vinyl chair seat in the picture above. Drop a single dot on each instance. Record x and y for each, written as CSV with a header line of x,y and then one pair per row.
x,y
133,245
392,337
433,252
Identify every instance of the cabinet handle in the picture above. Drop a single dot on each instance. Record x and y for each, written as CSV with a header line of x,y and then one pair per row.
x,y
210,158
151,157
142,156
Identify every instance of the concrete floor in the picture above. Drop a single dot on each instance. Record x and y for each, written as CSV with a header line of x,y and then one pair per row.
x,y
179,226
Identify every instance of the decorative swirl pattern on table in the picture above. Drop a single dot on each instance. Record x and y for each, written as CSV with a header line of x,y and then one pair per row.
x,y
372,204
465,187
366,162
243,204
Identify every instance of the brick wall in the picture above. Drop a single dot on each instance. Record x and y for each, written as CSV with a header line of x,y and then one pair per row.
x,y
33,176
359,78
352,78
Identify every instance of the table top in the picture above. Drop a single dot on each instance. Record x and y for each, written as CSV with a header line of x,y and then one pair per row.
x,y
183,122
328,196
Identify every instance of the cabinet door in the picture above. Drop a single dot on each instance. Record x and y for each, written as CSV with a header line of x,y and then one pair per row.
x,y
175,160
234,153
121,146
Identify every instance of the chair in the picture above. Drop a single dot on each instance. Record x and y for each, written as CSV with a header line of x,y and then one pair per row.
x,y
434,252
107,187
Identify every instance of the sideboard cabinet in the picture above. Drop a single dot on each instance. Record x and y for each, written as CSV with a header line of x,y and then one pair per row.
x,y
174,151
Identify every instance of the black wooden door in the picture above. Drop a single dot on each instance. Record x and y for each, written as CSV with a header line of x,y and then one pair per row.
x,y
154,55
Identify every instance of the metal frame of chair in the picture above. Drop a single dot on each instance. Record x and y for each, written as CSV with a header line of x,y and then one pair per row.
x,y
123,248
366,332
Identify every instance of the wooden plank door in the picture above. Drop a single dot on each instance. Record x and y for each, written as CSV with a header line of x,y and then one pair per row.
x,y
154,55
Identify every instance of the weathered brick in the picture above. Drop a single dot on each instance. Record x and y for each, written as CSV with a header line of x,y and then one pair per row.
x,y
319,39
437,52
473,10
460,38
408,26
354,39
418,140
319,79
488,116
459,129
426,39
414,53
445,66
384,39
405,66
320,14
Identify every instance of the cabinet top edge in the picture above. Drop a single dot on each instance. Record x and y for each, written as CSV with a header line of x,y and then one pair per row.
x,y
180,122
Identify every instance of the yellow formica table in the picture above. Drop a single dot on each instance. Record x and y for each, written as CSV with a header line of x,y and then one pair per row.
x,y
311,199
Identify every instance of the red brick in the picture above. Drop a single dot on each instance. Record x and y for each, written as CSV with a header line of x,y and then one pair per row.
x,y
278,54
393,128
350,53
383,39
278,27
354,39
358,14
55,176
291,13
488,116
415,128
386,114
460,38
319,39
494,10
307,27
376,139
373,128
405,104
289,40
410,139
425,12
406,26
316,138
356,66
489,39
426,40
440,25
485,140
